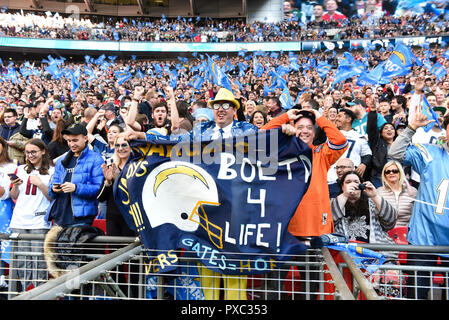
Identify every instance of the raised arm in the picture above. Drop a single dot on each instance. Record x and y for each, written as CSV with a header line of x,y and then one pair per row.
x,y
133,110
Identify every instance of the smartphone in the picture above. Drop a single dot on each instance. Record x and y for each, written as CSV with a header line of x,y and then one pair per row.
x,y
109,162
57,185
13,176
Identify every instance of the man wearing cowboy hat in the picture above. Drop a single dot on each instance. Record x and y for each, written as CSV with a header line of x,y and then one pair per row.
x,y
225,106
224,125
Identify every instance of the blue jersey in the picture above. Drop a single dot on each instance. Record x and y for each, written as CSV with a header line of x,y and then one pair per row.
x,y
359,125
429,224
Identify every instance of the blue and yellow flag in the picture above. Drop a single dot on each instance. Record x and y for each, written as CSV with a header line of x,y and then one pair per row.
x,y
228,202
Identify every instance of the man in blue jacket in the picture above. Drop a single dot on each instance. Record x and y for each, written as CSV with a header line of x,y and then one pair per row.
x,y
76,182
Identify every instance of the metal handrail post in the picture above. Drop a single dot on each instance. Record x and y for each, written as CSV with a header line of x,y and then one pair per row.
x,y
363,282
340,282
54,288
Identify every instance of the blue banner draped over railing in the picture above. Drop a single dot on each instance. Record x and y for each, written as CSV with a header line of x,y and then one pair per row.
x,y
227,202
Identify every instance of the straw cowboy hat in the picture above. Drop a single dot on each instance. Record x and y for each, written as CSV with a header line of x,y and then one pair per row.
x,y
225,95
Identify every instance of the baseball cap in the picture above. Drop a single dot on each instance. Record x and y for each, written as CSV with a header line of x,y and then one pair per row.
x,y
361,102
75,129
441,109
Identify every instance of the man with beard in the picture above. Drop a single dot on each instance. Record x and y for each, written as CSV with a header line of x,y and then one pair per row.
x,y
160,123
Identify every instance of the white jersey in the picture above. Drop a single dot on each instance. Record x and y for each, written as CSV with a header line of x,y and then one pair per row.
x,y
31,205
423,137
357,148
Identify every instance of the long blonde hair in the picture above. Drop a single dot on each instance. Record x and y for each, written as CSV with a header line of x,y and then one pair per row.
x,y
402,177
115,158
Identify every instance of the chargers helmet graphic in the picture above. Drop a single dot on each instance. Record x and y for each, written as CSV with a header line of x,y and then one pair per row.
x,y
175,192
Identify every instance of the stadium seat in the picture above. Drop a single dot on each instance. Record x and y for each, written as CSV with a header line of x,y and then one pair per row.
x,y
100,223
399,235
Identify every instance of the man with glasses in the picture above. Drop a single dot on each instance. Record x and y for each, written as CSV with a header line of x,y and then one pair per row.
x,y
76,182
342,166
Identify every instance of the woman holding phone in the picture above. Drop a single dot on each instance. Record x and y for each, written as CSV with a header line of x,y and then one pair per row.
x,y
30,191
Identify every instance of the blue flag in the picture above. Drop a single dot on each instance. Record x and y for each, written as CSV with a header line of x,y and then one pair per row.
x,y
196,82
286,99
323,69
438,70
229,208
364,258
173,78
122,76
446,54
399,63
431,115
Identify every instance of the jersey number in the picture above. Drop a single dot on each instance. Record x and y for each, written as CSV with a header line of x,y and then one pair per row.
x,y
443,188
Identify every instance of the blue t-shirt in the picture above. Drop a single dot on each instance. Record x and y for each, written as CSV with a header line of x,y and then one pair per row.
x,y
359,125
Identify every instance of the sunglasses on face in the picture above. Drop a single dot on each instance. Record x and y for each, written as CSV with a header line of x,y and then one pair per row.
x,y
225,105
123,145
395,171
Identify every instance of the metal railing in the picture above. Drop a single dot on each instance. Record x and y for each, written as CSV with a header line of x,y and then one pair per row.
x,y
117,268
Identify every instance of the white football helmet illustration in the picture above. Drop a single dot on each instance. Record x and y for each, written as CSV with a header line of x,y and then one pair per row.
x,y
175,192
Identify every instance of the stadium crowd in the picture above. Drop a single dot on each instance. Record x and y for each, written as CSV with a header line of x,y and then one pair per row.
x,y
313,23
45,105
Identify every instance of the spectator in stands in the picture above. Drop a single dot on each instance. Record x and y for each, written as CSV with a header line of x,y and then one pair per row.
x,y
30,192
385,110
399,109
421,136
9,126
429,222
358,151
203,115
397,191
342,166
274,108
160,123
359,109
31,126
362,215
250,107
58,145
331,114
115,224
312,215
76,182
332,13
185,118
104,148
380,141
258,118
317,19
